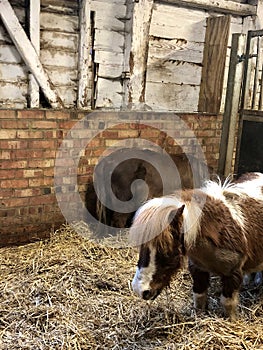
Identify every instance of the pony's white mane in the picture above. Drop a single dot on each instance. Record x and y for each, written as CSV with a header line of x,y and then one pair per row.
x,y
155,215
153,218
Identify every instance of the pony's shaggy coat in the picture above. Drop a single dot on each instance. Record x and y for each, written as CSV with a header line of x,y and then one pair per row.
x,y
219,227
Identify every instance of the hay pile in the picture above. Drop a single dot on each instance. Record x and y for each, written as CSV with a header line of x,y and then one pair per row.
x,y
71,293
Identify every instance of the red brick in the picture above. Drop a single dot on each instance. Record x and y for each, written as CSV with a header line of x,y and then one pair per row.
x,y
14,183
7,114
6,193
36,182
14,144
57,115
32,173
43,124
28,192
31,114
13,164
16,202
7,174
29,134
41,163
7,134
50,134
43,144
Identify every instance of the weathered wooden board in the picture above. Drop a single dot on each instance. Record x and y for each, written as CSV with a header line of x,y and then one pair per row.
x,y
13,72
222,6
109,94
17,91
178,73
63,77
110,71
107,57
58,23
110,41
175,50
58,58
178,23
9,54
69,95
59,40
172,97
217,34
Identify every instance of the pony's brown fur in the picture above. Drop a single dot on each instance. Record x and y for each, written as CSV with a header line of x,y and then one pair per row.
x,y
226,237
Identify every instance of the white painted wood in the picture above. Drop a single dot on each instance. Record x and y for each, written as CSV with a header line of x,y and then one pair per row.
x,y
108,40
61,76
17,92
109,94
60,41
58,58
173,22
34,32
175,50
84,98
27,52
177,73
9,54
59,23
110,71
142,16
172,97
223,6
13,72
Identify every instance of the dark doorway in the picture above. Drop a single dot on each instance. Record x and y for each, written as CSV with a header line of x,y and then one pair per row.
x,y
251,146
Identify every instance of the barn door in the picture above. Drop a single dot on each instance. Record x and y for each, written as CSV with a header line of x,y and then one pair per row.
x,y
249,155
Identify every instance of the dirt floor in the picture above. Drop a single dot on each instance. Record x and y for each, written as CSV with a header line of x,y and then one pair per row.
x,y
72,293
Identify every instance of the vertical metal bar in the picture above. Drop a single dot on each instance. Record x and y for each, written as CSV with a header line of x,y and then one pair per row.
x,y
255,84
246,78
233,92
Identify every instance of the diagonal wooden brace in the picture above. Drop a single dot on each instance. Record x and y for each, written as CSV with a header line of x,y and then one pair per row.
x,y
28,53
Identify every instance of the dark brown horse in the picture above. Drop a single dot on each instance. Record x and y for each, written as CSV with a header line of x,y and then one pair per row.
x,y
218,227
119,171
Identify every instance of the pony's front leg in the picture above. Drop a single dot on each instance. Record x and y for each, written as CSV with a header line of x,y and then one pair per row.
x,y
230,293
200,286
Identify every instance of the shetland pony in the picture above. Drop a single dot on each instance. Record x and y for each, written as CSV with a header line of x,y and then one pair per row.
x,y
218,227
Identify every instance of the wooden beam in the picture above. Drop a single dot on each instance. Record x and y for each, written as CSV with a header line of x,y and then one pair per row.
x,y
230,119
28,53
222,6
84,100
34,35
214,58
142,15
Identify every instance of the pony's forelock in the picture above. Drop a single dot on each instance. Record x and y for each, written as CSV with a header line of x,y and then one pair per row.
x,y
152,221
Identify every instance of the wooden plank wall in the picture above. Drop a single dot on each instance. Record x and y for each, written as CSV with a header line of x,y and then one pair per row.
x,y
174,67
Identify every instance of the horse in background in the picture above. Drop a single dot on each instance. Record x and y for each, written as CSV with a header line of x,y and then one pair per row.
x,y
218,227
191,173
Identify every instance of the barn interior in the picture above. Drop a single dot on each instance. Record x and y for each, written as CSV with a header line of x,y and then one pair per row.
x,y
82,82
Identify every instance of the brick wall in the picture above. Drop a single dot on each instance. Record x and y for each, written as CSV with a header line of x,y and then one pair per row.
x,y
29,140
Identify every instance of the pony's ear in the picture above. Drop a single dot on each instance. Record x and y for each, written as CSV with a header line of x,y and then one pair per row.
x,y
175,214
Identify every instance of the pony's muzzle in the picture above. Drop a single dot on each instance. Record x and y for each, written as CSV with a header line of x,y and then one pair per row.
x,y
150,294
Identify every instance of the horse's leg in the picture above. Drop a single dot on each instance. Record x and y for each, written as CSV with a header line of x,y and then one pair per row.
x,y
200,286
230,293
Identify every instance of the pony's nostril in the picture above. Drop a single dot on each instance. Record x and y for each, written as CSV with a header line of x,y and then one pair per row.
x,y
146,295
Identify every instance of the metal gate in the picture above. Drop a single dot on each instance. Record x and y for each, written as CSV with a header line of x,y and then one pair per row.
x,y
249,151
243,107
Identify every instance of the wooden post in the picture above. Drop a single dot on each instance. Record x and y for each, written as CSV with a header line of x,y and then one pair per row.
x,y
84,100
34,35
142,15
214,58
230,119
222,6
28,53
